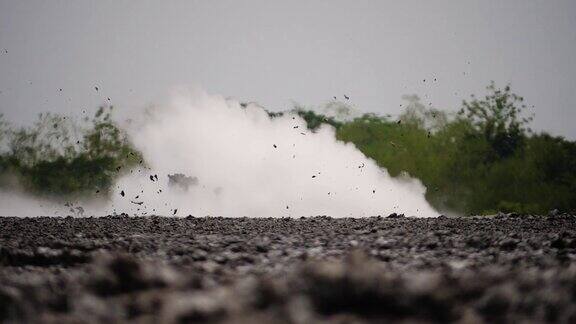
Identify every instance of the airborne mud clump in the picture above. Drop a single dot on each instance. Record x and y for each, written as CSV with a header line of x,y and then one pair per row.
x,y
261,270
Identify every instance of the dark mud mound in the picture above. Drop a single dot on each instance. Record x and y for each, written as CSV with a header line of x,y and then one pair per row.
x,y
154,269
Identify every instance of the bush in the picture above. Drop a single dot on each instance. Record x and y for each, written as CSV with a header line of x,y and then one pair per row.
x,y
58,157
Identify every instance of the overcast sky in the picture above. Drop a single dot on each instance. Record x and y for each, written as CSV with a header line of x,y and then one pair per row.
x,y
276,52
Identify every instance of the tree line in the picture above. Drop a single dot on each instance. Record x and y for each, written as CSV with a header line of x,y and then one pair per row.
x,y
482,159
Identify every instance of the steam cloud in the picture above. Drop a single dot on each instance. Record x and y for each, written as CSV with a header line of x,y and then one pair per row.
x,y
240,162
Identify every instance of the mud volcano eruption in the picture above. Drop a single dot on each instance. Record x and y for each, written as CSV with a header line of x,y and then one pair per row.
x,y
208,155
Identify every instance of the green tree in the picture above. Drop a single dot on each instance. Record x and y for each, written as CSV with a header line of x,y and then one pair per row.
x,y
499,119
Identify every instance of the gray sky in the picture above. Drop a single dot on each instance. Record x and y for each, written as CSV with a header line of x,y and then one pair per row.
x,y
274,52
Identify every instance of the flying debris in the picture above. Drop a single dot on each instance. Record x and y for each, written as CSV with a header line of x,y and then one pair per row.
x,y
181,181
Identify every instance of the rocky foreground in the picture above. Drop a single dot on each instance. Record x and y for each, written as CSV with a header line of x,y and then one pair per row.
x,y
157,269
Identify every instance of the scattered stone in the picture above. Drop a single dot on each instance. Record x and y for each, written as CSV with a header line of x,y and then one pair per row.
x,y
300,270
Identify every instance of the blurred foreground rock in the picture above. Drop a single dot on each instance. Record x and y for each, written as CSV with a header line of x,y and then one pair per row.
x,y
313,270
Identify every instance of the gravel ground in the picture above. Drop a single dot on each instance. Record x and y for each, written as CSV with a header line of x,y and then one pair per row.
x,y
501,269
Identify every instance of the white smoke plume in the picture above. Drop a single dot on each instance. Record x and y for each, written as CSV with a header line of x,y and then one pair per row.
x,y
238,161
247,164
